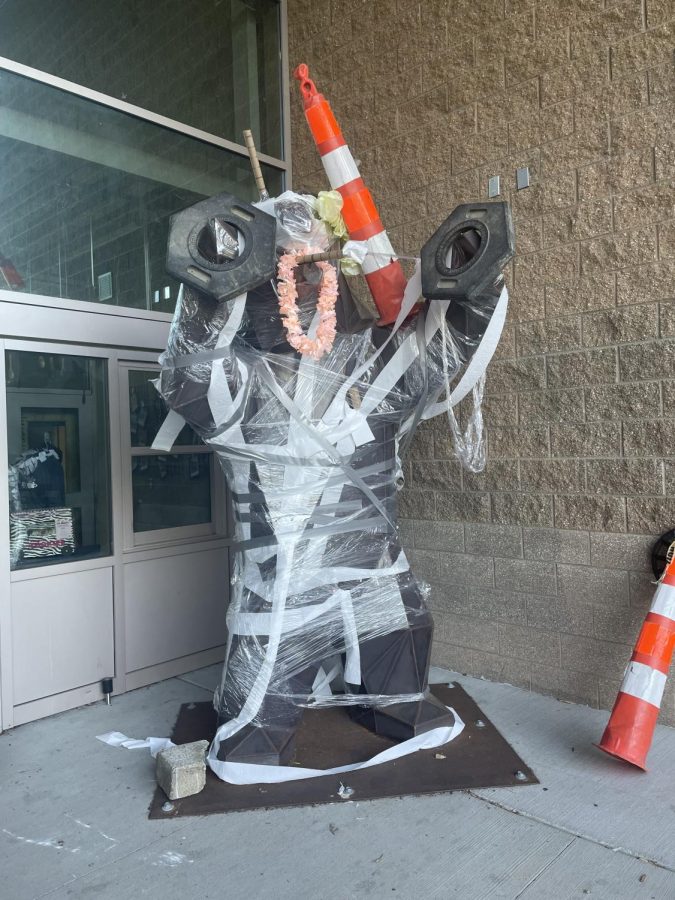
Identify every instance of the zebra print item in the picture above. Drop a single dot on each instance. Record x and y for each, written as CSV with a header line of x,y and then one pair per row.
x,y
38,533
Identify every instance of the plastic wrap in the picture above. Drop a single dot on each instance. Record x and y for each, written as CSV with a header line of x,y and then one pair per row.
x,y
322,597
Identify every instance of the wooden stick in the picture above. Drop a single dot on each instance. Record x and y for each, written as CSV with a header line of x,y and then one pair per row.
x,y
319,257
255,164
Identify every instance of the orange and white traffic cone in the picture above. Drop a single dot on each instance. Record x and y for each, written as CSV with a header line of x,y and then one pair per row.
x,y
631,725
385,277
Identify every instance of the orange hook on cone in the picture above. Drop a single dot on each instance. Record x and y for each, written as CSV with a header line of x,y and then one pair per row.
x,y
630,730
385,277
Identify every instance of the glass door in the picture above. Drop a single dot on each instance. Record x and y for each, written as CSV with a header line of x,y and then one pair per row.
x,y
58,458
57,598
169,497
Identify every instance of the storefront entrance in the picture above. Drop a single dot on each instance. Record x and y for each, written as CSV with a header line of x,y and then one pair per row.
x,y
117,559
113,556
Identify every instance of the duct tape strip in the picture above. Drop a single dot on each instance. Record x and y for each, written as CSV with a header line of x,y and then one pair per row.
x,y
170,428
222,348
193,359
329,575
267,376
324,515
260,623
643,682
411,349
375,471
322,683
249,773
256,696
664,601
374,524
400,362
322,701
478,363
411,295
274,453
300,433
422,341
352,651
219,397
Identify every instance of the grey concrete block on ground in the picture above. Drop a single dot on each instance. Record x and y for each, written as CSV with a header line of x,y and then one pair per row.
x,y
181,770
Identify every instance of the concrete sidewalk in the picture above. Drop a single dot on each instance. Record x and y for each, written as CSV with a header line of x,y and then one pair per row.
x,y
74,818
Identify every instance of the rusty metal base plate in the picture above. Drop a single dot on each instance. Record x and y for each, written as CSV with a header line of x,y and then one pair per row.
x,y
478,758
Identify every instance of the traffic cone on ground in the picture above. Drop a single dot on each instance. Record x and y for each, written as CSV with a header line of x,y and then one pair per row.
x,y
385,277
629,732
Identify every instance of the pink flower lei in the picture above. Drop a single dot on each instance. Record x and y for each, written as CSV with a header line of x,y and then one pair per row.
x,y
288,294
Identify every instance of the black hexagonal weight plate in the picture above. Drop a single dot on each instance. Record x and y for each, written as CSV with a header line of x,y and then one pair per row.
x,y
188,260
481,234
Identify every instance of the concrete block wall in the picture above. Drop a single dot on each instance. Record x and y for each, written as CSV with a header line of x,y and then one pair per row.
x,y
539,567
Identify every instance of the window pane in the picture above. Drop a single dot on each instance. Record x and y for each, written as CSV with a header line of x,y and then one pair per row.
x,y
147,411
86,193
171,490
59,469
215,65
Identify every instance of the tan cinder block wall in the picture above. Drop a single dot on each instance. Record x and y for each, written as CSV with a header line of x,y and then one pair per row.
x,y
539,567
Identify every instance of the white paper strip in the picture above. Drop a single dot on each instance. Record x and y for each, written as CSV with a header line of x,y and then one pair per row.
x,y
248,773
117,739
478,363
352,649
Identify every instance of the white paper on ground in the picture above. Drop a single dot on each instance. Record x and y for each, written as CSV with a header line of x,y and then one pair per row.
x,y
249,773
117,739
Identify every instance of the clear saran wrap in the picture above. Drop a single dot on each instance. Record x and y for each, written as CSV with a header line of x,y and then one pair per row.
x,y
312,452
